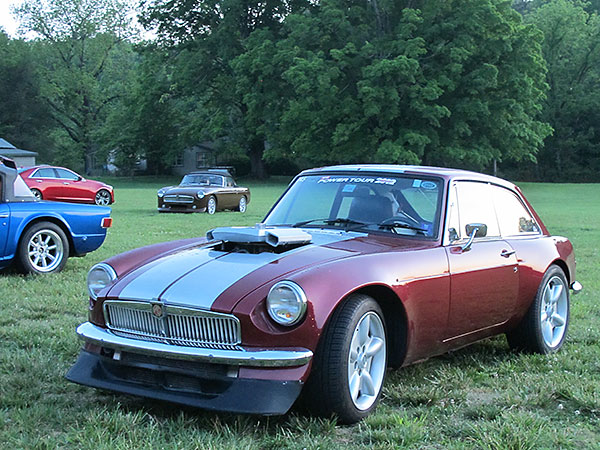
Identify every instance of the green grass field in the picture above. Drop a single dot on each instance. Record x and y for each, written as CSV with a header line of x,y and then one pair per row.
x,y
483,396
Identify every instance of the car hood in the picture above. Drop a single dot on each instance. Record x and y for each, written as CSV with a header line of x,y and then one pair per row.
x,y
198,276
188,190
205,276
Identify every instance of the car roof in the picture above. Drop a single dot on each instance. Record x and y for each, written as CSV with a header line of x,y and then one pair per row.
x,y
222,173
444,172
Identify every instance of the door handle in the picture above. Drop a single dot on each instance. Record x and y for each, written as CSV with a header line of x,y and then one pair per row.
x,y
4,216
64,182
39,181
507,253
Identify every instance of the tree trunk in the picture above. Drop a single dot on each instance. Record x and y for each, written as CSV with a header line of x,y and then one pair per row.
x,y
255,153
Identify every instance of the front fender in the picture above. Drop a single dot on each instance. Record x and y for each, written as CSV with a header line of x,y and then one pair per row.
x,y
418,278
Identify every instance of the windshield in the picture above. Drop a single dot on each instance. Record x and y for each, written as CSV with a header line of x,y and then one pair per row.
x,y
202,179
400,204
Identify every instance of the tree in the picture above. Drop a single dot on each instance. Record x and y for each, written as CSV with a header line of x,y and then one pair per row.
x,y
206,37
24,117
454,83
572,52
82,43
146,122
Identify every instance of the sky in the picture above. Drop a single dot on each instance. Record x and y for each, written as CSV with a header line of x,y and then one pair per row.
x,y
6,19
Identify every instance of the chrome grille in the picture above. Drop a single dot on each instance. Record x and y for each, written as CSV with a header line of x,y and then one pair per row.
x,y
178,198
176,325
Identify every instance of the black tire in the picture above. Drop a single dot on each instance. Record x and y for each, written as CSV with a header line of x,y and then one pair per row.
x,y
328,390
540,330
209,208
102,198
37,193
41,237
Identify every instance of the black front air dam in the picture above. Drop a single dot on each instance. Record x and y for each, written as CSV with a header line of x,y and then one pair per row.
x,y
237,395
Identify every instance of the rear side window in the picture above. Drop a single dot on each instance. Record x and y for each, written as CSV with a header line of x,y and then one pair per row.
x,y
513,217
46,172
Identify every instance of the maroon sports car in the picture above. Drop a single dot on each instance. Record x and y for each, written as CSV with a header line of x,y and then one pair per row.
x,y
59,183
354,270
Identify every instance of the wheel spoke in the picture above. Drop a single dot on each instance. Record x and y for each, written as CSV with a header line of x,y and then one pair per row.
x,y
36,260
52,258
363,330
354,385
547,331
557,320
366,383
556,292
374,346
44,261
47,239
52,247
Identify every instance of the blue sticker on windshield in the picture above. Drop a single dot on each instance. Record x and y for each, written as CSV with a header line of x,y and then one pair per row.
x,y
349,188
428,185
416,183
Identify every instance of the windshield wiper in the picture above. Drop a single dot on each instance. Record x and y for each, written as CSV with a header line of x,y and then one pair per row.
x,y
337,221
391,225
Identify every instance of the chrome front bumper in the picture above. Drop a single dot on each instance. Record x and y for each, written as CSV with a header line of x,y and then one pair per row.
x,y
93,334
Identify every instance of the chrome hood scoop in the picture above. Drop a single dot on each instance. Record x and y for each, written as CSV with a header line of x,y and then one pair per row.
x,y
273,236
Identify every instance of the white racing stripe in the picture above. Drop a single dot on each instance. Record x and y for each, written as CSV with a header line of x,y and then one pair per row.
x,y
200,287
196,277
153,280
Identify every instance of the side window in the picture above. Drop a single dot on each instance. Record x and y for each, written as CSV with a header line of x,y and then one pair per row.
x,y
513,217
46,172
475,205
66,174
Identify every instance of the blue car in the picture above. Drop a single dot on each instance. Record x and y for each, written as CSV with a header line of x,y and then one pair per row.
x,y
39,236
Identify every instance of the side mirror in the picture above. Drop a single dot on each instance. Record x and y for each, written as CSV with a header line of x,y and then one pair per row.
x,y
479,228
474,230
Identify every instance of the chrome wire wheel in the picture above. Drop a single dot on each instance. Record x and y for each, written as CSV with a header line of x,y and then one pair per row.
x,y
366,361
554,311
211,206
242,205
45,251
102,197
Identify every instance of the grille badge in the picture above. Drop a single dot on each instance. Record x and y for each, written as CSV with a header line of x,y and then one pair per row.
x,y
157,310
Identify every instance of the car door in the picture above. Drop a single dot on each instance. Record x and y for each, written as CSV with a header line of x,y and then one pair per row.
x,y
484,279
231,192
46,181
4,224
73,187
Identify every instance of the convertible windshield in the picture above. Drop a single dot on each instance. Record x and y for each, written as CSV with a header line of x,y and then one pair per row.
x,y
400,204
202,179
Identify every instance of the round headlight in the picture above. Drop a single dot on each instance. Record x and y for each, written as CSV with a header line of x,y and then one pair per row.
x,y
100,276
286,303
160,193
200,194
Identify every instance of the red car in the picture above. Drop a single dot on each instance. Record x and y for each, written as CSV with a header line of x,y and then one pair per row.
x,y
58,183
354,270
